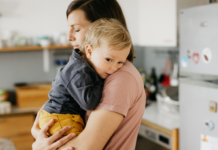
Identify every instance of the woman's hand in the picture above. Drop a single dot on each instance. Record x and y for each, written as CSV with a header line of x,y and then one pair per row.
x,y
43,142
35,128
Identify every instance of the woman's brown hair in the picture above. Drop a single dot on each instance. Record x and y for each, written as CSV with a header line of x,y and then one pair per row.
x,y
97,9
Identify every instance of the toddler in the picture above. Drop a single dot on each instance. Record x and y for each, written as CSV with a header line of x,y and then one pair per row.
x,y
78,85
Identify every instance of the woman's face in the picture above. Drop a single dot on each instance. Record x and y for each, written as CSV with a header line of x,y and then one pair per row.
x,y
78,25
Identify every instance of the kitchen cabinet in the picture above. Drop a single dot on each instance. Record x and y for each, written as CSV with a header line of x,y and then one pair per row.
x,y
18,129
130,10
155,22
151,22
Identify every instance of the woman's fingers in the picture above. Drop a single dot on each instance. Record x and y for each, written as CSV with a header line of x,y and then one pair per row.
x,y
46,127
70,148
59,134
63,140
53,142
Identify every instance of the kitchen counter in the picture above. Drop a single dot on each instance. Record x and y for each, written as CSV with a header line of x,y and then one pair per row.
x,y
15,110
156,123
162,119
151,114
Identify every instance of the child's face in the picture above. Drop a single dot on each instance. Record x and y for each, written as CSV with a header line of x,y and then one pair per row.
x,y
106,60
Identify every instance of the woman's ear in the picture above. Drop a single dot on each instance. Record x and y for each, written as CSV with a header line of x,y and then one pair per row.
x,y
89,50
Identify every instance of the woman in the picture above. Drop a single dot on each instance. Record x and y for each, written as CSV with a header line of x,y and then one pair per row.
x,y
114,124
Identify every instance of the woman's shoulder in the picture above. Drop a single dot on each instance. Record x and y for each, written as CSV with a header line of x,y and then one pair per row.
x,y
127,78
122,89
128,72
129,67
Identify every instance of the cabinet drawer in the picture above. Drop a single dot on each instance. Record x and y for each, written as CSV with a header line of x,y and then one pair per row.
x,y
156,136
16,125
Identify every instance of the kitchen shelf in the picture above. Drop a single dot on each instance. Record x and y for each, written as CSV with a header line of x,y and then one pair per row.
x,y
33,48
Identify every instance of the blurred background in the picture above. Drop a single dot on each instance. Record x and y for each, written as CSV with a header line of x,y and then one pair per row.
x,y
175,49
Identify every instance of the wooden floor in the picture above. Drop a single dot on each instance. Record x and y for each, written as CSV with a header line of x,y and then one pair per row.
x,y
144,144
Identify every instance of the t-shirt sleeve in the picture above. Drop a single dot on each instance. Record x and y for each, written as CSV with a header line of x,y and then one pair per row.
x,y
119,93
86,89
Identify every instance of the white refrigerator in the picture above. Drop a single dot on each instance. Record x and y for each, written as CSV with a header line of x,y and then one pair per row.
x,y
198,89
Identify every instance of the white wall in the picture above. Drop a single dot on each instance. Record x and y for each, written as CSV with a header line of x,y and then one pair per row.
x,y
34,17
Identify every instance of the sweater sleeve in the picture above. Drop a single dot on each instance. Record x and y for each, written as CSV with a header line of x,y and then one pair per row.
x,y
86,88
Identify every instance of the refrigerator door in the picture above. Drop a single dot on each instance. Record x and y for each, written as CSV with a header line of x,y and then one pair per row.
x,y
198,41
195,97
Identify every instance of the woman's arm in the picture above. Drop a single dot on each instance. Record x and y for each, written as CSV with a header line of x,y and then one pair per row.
x,y
35,128
100,127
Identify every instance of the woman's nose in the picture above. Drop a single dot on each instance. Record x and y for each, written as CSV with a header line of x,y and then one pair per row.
x,y
70,37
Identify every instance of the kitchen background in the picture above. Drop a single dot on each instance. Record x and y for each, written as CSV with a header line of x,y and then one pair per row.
x,y
157,41
31,18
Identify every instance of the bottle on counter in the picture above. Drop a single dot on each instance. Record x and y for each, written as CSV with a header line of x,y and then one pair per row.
x,y
153,88
141,71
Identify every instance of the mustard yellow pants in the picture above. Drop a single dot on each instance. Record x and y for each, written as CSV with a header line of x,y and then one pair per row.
x,y
62,120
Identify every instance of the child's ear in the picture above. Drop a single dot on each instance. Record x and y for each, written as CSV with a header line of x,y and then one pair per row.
x,y
89,50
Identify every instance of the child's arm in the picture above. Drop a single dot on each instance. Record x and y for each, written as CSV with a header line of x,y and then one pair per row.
x,y
86,88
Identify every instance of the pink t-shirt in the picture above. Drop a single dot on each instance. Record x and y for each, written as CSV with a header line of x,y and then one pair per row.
x,y
124,93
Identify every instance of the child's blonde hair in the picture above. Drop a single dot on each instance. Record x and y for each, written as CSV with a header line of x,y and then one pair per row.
x,y
106,32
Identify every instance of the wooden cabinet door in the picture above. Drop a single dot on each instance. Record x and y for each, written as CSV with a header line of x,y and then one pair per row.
x,y
18,129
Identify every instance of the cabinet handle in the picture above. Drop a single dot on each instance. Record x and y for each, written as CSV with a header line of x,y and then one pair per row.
x,y
2,120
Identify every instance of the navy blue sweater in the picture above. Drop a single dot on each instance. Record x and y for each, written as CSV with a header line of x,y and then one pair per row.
x,y
75,89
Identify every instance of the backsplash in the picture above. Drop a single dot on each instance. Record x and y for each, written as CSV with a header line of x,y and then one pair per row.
x,y
23,67
148,57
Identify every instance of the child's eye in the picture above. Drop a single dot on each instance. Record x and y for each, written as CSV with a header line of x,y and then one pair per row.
x,y
77,30
108,59
120,62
